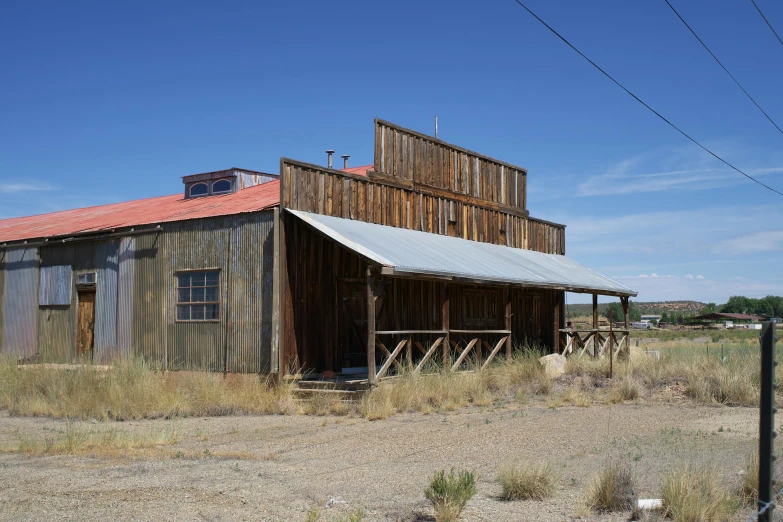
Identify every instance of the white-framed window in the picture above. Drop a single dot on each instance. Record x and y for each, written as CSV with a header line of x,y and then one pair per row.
x,y
198,295
86,279
199,189
221,186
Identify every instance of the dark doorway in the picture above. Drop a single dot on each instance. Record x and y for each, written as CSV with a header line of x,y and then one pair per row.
x,y
352,351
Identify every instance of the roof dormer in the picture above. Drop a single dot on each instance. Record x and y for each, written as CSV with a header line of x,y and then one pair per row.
x,y
223,182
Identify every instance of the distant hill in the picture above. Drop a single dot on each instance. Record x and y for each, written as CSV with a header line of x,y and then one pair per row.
x,y
658,308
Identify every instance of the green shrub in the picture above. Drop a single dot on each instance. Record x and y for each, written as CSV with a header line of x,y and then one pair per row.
x,y
450,493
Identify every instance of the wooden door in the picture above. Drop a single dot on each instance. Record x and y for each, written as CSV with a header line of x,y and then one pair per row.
x,y
528,319
85,329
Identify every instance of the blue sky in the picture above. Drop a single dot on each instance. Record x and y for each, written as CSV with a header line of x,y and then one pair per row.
x,y
103,102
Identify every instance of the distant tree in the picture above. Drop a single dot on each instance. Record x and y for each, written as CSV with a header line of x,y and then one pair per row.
x,y
616,309
680,319
711,308
737,304
664,318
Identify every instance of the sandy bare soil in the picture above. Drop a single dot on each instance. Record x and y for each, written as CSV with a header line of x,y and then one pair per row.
x,y
280,467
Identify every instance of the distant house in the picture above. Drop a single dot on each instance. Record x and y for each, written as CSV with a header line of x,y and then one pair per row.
x,y
651,318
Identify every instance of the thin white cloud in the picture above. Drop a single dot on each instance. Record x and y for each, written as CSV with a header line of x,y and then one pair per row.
x,y
16,188
680,168
764,241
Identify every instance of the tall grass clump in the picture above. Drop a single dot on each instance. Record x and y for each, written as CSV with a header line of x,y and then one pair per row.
x,y
450,493
134,390
693,495
749,485
710,381
613,489
526,482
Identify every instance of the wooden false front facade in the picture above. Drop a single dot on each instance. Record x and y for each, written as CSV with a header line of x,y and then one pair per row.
x,y
327,292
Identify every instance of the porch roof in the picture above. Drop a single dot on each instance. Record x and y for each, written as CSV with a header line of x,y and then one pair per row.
x,y
410,253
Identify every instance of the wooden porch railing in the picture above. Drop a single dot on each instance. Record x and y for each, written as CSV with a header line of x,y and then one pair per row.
x,y
443,340
597,341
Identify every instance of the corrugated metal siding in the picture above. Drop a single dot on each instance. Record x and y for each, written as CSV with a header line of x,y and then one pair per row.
x,y
20,302
3,254
150,297
125,297
249,309
57,325
54,288
107,267
242,248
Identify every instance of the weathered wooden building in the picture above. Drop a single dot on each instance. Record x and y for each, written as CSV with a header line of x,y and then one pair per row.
x,y
254,272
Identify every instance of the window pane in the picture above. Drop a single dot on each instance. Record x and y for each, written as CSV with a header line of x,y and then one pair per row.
x,y
211,312
197,295
197,312
197,278
183,295
212,278
199,189
183,313
223,185
183,280
211,294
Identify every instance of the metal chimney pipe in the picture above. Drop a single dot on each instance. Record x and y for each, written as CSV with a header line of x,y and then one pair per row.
x,y
345,160
329,156
436,127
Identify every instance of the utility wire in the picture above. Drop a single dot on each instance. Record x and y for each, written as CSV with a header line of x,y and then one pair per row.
x,y
723,66
769,24
569,44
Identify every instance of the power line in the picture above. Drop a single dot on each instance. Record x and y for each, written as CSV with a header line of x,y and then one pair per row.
x,y
569,44
769,24
723,66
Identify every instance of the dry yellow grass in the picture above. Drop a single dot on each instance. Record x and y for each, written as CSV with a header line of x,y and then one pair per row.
x,y
134,390
526,482
75,440
749,485
613,489
694,495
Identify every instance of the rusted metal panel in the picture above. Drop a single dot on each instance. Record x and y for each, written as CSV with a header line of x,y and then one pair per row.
x,y
125,296
107,268
20,302
164,209
54,288
150,297
241,247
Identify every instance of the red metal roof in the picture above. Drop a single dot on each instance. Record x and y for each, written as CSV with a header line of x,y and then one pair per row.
x,y
163,209
359,171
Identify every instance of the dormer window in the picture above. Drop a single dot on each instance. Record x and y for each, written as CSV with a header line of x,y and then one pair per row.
x,y
199,189
221,186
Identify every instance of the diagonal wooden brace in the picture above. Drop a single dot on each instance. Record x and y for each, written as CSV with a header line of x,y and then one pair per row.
x,y
494,352
464,354
428,355
391,359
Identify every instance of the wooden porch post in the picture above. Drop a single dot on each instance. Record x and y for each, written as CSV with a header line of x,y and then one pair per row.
x,y
444,305
508,322
595,325
627,313
370,328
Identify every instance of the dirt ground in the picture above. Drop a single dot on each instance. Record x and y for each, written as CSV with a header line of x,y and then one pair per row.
x,y
278,468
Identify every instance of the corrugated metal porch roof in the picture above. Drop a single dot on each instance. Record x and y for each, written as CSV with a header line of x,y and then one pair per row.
x,y
413,253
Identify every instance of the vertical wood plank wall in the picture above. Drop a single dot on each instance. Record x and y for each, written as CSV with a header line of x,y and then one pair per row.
x,y
410,155
382,201
323,278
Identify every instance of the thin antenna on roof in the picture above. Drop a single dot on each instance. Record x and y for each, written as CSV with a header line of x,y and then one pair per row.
x,y
345,160
436,127
329,156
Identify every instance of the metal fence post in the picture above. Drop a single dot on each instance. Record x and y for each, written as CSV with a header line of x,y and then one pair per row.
x,y
767,419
